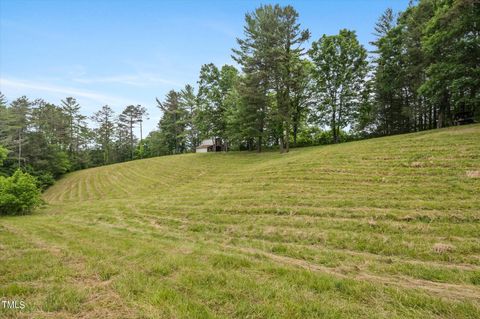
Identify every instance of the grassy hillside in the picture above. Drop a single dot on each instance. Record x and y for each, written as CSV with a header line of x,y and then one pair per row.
x,y
382,228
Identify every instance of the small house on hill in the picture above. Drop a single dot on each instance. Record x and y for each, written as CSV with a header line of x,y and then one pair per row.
x,y
209,145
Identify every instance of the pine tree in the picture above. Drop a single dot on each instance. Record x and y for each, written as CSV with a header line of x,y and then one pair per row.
x,y
17,126
173,124
189,102
271,48
129,117
72,110
105,120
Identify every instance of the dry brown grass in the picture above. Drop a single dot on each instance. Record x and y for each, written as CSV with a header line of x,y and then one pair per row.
x,y
473,174
440,248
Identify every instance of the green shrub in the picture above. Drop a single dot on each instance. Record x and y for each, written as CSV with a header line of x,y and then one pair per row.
x,y
44,180
316,136
19,194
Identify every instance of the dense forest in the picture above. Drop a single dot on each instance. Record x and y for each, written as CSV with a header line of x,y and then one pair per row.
x,y
423,73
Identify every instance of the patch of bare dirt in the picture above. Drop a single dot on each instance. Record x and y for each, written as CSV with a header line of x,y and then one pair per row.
x,y
416,164
441,248
473,174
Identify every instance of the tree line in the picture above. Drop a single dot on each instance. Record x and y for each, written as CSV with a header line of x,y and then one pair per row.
x,y
48,140
422,74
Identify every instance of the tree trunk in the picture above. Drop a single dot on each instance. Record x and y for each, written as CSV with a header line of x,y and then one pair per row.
x,y
141,139
131,140
430,112
282,150
443,111
440,118
295,130
449,115
334,127
19,147
287,136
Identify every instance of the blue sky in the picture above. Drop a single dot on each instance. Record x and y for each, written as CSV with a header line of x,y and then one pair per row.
x,y
129,52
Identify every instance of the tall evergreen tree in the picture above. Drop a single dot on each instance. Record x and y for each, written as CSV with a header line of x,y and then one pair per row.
x,y
72,110
19,110
121,143
141,115
105,121
271,48
129,117
211,110
6,121
386,75
189,102
173,124
51,121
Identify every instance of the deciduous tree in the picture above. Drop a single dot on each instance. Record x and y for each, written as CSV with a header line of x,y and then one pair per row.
x,y
340,72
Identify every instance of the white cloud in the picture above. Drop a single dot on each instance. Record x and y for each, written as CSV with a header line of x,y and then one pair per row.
x,y
18,87
142,79
89,100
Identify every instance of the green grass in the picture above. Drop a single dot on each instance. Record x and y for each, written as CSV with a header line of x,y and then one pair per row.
x,y
381,228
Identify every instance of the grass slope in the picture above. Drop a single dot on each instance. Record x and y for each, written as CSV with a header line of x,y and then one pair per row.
x,y
381,228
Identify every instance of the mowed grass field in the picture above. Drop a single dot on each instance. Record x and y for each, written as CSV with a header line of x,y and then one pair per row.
x,y
381,228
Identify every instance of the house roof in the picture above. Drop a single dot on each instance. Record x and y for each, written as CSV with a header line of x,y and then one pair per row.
x,y
205,144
